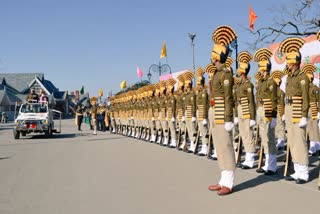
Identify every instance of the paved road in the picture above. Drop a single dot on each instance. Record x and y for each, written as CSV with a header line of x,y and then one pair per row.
x,y
75,173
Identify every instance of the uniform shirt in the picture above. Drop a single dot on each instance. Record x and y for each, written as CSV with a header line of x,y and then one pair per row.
x,y
202,100
171,106
180,97
280,100
245,89
190,103
267,89
221,86
298,85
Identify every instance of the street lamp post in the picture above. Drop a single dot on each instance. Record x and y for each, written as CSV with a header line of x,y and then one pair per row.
x,y
234,45
160,68
192,36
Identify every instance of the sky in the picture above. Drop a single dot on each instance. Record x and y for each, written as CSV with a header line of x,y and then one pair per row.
x,y
99,43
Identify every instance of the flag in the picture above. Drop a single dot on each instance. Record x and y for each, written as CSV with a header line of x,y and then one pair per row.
x,y
163,51
82,90
252,17
123,84
139,72
100,93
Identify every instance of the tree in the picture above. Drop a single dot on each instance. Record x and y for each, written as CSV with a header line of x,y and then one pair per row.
x,y
302,18
134,86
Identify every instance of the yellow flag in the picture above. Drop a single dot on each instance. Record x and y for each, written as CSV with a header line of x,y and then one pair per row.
x,y
100,93
163,51
123,84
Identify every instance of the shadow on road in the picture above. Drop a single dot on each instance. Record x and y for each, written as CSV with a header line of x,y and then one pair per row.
x,y
261,179
4,158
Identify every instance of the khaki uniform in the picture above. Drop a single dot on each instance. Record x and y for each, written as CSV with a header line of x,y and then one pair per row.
x,y
202,115
297,96
312,127
190,115
267,109
245,111
171,115
222,111
180,98
280,127
163,128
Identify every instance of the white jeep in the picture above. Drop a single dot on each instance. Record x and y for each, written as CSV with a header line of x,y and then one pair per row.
x,y
35,118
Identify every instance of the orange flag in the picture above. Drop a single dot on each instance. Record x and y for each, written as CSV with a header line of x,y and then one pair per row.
x,y
163,53
252,17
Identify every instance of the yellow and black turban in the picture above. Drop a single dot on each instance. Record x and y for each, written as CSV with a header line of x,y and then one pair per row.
x,y
223,36
291,47
262,56
244,58
309,69
200,79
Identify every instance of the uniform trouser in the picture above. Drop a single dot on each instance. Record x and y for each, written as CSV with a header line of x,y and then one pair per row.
x,y
204,132
79,121
296,139
280,128
223,145
191,129
172,127
165,128
312,128
266,132
153,127
158,127
246,132
182,128
113,124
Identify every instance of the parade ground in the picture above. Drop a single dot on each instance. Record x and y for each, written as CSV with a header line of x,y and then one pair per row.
x,y
79,173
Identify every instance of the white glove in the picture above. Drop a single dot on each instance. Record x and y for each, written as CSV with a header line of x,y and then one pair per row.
x,y
193,119
236,120
228,126
112,118
252,123
152,119
273,123
303,122
319,124
166,119
132,118
204,122
118,118
159,118
283,118
318,115
183,119
173,119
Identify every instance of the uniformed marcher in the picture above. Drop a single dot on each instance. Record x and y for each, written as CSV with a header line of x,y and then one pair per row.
x,y
312,126
180,98
267,111
202,103
245,113
79,116
163,123
296,109
190,109
280,131
93,102
221,124
171,113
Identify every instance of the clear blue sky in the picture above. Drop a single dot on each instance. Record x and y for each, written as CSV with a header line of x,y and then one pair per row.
x,y
99,43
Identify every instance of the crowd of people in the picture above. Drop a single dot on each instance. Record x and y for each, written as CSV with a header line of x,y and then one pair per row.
x,y
184,117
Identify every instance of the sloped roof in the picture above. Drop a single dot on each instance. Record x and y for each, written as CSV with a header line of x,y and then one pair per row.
x,y
20,81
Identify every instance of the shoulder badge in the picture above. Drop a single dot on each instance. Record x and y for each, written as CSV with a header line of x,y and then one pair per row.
x,y
271,87
249,90
303,82
226,82
191,98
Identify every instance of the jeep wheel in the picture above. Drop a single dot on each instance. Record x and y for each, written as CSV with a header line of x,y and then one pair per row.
x,y
48,133
16,134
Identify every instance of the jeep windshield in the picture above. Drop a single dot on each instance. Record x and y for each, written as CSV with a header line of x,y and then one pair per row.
x,y
34,108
